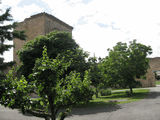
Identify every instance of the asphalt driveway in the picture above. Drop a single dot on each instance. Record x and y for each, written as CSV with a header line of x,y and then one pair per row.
x,y
9,114
146,109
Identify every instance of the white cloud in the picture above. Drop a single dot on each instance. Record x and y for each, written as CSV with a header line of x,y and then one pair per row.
x,y
9,3
25,11
100,24
8,55
19,14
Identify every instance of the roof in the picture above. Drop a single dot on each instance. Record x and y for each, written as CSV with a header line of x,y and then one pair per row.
x,y
50,16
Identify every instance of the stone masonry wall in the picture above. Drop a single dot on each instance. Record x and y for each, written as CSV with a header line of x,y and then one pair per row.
x,y
154,66
32,27
39,24
51,24
150,79
155,63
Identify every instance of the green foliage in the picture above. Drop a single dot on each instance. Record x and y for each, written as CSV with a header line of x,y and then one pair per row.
x,y
105,92
62,115
157,82
54,92
95,73
15,91
125,63
7,33
57,42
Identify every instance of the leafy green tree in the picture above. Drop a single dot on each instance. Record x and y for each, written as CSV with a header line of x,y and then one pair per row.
x,y
54,94
126,63
7,33
95,73
57,42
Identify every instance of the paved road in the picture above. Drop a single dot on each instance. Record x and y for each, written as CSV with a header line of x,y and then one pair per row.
x,y
9,114
147,109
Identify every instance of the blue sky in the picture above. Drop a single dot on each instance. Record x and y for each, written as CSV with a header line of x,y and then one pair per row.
x,y
98,24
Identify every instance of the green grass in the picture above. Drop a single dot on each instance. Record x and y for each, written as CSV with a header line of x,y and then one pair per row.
x,y
118,97
120,89
124,89
157,82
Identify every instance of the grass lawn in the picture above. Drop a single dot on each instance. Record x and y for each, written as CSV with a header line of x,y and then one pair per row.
x,y
158,82
118,97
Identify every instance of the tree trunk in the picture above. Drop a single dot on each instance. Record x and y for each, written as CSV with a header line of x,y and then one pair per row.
x,y
47,118
51,104
63,115
96,93
131,91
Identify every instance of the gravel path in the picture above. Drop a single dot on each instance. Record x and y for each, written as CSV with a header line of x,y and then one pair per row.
x,y
146,109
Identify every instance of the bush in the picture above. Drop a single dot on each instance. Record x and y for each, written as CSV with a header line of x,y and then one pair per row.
x,y
128,93
105,92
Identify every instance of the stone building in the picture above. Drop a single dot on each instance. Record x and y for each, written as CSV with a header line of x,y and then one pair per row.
x,y
150,79
39,24
43,23
155,64
150,76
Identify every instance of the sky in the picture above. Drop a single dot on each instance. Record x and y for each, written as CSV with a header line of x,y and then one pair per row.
x,y
98,24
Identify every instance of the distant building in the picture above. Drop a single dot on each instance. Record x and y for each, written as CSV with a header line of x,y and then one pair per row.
x,y
150,75
39,24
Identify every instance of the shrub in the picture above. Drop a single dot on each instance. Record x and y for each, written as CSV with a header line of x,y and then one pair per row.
x,y
105,92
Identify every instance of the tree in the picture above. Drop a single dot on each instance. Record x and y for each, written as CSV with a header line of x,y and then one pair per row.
x,y
54,93
95,73
57,42
126,63
7,32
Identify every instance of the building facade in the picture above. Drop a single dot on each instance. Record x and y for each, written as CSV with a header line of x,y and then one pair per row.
x,y
150,80
39,24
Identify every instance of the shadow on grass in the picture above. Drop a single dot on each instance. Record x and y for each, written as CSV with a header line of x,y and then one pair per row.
x,y
139,95
119,95
114,96
122,95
